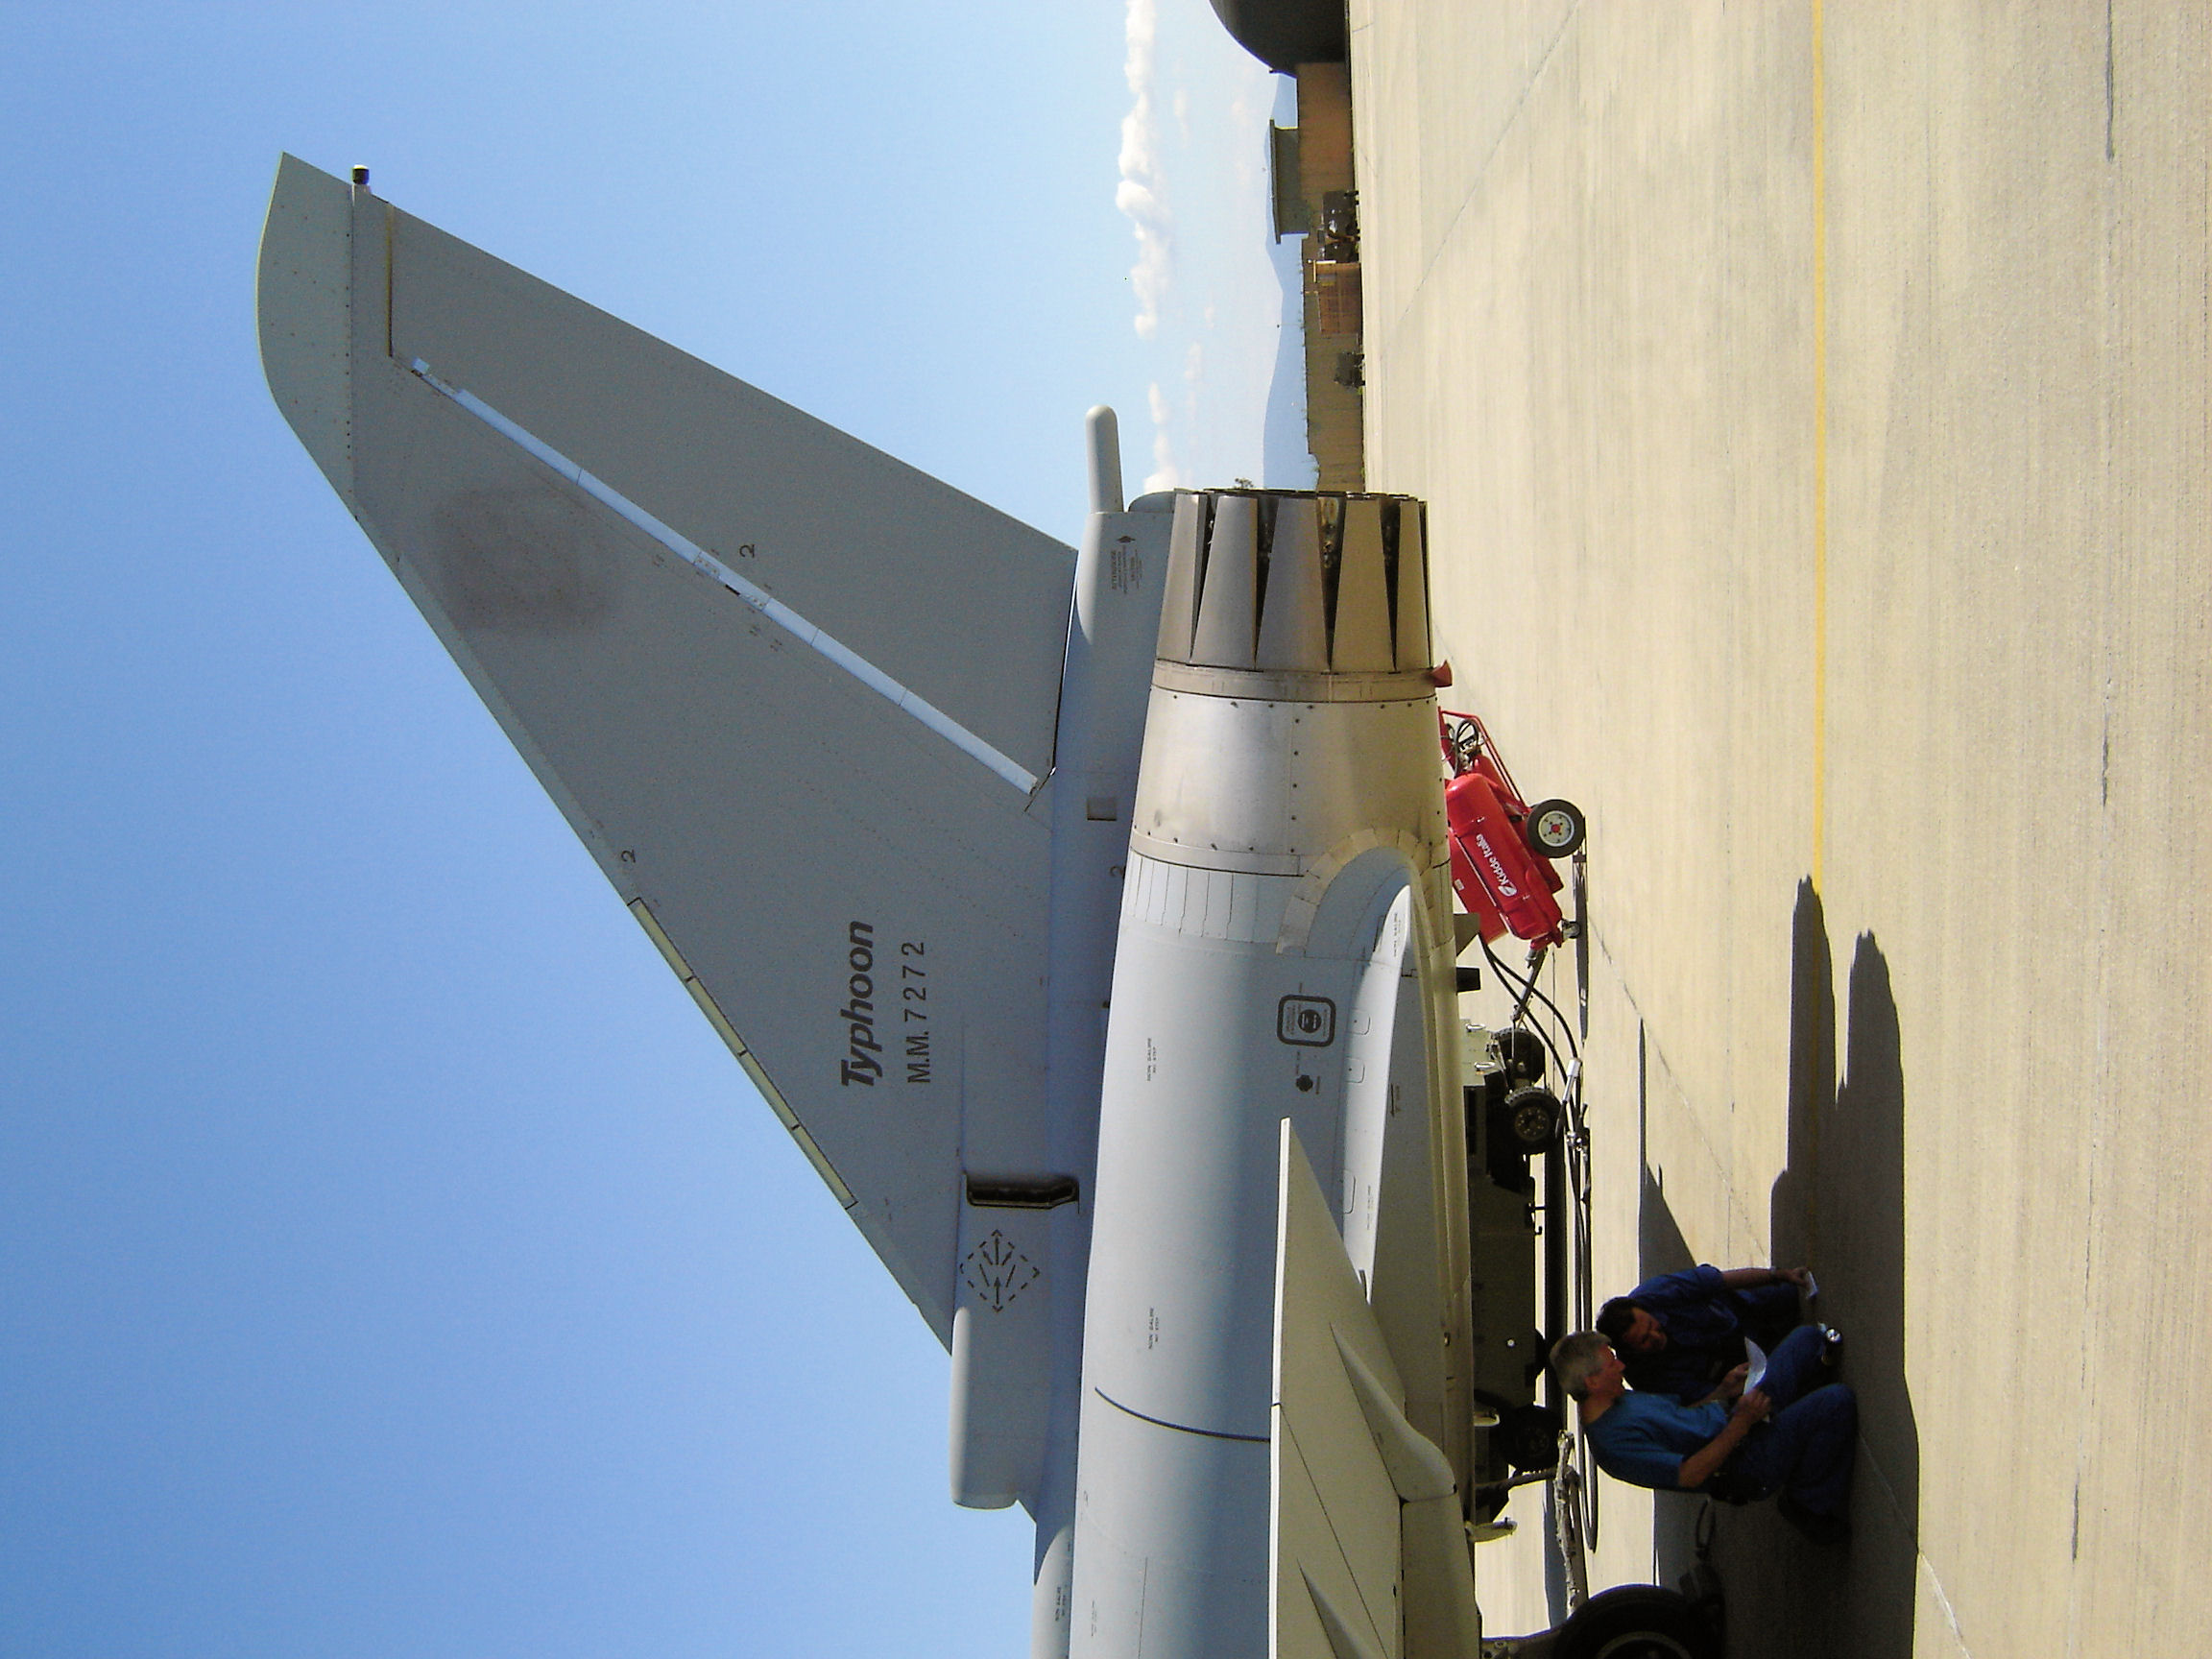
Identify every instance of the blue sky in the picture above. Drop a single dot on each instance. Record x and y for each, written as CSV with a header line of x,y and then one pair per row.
x,y
391,1260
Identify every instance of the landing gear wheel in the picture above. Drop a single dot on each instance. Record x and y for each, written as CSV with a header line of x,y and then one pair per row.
x,y
1638,1621
1533,1116
1555,829
1522,1053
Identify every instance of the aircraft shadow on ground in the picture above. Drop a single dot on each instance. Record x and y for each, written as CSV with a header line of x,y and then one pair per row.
x,y
1839,1206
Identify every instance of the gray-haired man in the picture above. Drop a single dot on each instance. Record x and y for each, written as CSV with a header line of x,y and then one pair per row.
x,y
1794,1434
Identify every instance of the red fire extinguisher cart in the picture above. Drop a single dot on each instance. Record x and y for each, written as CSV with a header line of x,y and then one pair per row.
x,y
1501,847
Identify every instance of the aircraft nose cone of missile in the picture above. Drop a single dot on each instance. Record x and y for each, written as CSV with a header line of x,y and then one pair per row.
x,y
1280,582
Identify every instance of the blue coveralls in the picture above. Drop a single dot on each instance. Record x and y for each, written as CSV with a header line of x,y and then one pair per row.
x,y
1705,1323
1805,1446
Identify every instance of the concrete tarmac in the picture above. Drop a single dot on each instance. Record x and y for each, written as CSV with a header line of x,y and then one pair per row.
x,y
1811,403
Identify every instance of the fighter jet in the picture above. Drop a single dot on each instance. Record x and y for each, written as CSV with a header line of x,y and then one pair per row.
x,y
1083,914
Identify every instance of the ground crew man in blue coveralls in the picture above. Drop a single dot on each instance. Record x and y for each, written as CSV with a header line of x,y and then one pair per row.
x,y
1682,1332
1795,1435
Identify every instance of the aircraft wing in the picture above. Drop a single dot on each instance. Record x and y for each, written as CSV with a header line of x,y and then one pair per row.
x,y
795,697
1369,1554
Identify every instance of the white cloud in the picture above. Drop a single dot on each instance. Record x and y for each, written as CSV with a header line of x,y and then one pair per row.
x,y
1166,472
1139,194
1194,186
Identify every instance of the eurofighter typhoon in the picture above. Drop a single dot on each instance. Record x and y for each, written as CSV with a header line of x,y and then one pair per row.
x,y
1112,995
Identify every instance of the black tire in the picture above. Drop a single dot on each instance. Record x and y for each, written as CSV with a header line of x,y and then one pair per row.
x,y
1522,1053
1527,1437
1533,1117
1638,1621
1555,829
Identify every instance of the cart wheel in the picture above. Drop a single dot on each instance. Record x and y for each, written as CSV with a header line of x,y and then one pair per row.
x,y
1555,829
1534,1116
1521,1051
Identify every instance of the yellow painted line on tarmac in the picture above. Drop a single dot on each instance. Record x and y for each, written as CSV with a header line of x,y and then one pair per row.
x,y
1819,452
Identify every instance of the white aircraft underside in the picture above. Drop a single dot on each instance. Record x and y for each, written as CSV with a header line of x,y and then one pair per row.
x,y
1082,913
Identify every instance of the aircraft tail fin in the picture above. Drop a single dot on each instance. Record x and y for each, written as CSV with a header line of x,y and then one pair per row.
x,y
795,696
